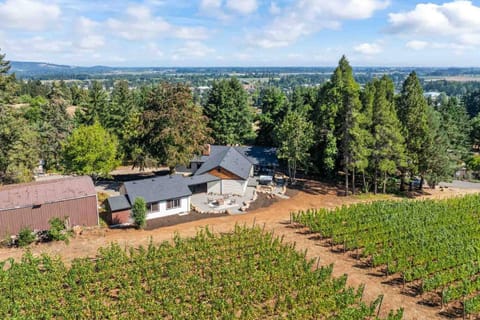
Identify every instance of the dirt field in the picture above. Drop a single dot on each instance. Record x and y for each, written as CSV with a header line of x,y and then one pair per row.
x,y
276,218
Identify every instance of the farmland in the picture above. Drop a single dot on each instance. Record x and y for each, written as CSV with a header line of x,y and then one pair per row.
x,y
246,274
432,248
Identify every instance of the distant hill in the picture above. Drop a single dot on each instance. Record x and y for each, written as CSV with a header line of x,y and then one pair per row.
x,y
42,69
46,71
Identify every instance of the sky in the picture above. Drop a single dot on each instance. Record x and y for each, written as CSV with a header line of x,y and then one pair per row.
x,y
242,32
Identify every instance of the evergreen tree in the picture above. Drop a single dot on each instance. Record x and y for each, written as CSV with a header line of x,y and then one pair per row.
x,y
174,128
118,113
325,151
439,164
229,113
472,103
350,124
19,153
455,123
413,115
54,127
387,149
96,107
273,103
8,84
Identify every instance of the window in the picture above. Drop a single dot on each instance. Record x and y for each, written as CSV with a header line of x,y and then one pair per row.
x,y
173,204
153,207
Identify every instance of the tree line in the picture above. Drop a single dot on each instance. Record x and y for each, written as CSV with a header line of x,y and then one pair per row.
x,y
367,136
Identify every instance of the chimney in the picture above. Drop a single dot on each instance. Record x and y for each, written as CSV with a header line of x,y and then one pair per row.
x,y
206,151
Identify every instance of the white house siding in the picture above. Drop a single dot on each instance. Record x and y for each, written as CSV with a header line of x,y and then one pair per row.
x,y
214,187
234,186
184,208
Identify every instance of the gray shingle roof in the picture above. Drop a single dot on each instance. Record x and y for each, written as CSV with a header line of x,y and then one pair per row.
x,y
263,156
229,159
158,188
118,203
204,178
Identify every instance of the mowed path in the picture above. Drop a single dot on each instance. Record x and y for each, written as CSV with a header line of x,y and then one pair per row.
x,y
275,218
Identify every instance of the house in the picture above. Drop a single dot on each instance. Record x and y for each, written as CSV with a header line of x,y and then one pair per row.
x,y
233,165
165,196
220,170
32,205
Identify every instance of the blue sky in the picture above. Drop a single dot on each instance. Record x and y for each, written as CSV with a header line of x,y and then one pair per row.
x,y
242,32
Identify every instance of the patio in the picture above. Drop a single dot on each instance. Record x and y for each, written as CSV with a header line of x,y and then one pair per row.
x,y
217,203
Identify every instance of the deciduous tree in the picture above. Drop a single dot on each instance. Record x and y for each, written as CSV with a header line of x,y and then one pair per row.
x,y
295,136
173,127
90,150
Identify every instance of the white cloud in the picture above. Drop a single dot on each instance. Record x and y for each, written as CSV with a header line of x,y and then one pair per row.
x,y
28,15
306,17
88,34
368,49
154,49
192,49
141,24
191,33
417,44
459,21
242,6
274,9
213,8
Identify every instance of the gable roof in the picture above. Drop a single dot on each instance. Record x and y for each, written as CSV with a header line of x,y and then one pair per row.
x,y
118,203
229,159
201,179
263,156
158,188
50,191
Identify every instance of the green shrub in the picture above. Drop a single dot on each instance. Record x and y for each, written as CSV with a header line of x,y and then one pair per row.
x,y
139,212
26,237
57,231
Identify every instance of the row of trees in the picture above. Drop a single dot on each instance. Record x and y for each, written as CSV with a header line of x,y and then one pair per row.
x,y
365,135
152,125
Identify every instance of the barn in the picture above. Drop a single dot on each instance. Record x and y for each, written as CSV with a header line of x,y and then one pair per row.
x,y
32,205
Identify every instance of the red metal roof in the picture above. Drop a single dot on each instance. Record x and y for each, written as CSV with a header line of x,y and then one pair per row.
x,y
38,193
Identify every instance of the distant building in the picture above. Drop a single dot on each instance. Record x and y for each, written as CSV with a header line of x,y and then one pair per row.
x,y
32,205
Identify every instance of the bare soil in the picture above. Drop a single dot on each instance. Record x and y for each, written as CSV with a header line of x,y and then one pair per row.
x,y
275,218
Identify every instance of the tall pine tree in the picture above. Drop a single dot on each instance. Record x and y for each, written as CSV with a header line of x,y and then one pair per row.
x,y
351,125
387,149
412,111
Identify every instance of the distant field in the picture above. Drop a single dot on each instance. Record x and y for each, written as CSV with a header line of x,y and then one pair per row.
x,y
454,78
245,274
433,247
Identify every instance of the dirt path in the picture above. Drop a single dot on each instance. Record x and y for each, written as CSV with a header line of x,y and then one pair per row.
x,y
275,218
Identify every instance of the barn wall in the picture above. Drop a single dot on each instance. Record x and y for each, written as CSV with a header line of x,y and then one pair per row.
x,y
81,212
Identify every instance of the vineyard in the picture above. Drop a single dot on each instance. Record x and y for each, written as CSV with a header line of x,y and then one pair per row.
x,y
247,274
431,247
